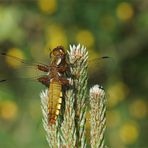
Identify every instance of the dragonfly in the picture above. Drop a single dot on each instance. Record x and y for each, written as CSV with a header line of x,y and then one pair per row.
x,y
53,78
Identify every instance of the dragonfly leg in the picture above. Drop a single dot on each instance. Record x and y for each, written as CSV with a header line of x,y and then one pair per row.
x,y
44,80
43,68
65,81
63,69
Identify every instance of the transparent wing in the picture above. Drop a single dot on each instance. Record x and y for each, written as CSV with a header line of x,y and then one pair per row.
x,y
19,60
14,68
98,69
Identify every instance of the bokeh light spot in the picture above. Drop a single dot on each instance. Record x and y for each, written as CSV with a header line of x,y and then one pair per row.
x,y
56,36
138,109
85,37
129,133
8,110
117,92
17,53
125,11
48,6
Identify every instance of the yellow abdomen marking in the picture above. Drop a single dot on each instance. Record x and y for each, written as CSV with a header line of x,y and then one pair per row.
x,y
54,102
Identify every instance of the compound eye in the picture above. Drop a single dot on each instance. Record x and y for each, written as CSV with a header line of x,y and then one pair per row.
x,y
54,53
58,51
51,54
62,51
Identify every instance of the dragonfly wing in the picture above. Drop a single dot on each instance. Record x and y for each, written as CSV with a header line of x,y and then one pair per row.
x,y
27,70
97,69
19,60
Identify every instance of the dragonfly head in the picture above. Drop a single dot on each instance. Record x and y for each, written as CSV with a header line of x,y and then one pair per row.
x,y
58,52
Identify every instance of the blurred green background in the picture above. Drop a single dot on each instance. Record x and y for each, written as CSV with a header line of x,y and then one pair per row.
x,y
116,28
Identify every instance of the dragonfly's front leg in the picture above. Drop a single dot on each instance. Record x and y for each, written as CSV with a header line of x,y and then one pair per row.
x,y
44,80
63,68
66,81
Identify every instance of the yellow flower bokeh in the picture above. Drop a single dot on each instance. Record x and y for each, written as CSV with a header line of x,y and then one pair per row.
x,y
85,37
48,6
8,110
56,36
11,61
129,133
138,109
117,92
125,11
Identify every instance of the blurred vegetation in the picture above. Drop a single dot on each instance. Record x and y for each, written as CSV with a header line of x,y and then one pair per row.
x,y
117,28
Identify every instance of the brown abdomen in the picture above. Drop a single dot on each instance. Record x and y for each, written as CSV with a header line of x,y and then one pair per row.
x,y
54,102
